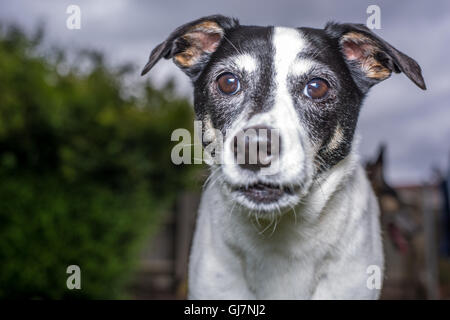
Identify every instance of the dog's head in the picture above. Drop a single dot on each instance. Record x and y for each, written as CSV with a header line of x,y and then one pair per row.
x,y
299,90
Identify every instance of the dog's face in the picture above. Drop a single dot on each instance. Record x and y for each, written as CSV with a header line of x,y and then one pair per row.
x,y
299,90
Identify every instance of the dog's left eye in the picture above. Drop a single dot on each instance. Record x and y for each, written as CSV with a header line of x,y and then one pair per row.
x,y
316,88
228,83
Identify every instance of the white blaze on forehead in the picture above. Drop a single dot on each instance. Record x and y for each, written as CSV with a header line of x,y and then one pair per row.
x,y
301,66
288,43
245,62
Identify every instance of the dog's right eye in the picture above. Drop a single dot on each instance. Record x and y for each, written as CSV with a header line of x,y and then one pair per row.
x,y
228,83
317,88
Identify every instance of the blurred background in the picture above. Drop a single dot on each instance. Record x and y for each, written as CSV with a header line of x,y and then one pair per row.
x,y
85,172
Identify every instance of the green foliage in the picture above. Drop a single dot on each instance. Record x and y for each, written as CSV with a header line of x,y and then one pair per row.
x,y
85,171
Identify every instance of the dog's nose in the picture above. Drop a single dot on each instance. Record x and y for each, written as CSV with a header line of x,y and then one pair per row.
x,y
256,147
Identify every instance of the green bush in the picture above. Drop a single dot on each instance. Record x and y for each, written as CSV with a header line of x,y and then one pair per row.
x,y
85,171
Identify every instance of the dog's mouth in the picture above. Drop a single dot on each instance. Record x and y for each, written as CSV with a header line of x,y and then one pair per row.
x,y
265,193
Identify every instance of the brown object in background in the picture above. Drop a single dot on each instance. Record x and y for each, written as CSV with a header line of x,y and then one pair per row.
x,y
163,270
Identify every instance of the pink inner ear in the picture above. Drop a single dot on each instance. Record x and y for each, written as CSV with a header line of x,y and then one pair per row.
x,y
352,51
363,50
206,41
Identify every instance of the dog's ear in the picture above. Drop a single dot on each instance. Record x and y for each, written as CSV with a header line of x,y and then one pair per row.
x,y
370,58
191,44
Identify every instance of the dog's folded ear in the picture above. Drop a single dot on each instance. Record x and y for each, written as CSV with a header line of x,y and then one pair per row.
x,y
191,44
370,58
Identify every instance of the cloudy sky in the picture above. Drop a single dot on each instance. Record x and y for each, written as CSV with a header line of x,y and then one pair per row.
x,y
414,124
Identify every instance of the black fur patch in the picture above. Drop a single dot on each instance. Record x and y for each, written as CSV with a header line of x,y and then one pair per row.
x,y
256,90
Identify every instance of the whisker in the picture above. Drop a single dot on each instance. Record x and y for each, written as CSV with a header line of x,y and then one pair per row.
x,y
268,226
276,222
295,214
213,172
231,43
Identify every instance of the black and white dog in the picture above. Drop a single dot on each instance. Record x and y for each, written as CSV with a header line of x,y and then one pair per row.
x,y
309,229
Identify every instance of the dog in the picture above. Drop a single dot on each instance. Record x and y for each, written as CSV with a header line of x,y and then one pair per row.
x,y
309,229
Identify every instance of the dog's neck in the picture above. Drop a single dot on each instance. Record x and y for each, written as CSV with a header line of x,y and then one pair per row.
x,y
305,216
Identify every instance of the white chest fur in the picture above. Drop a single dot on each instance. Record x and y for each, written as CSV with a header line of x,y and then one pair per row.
x,y
322,251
